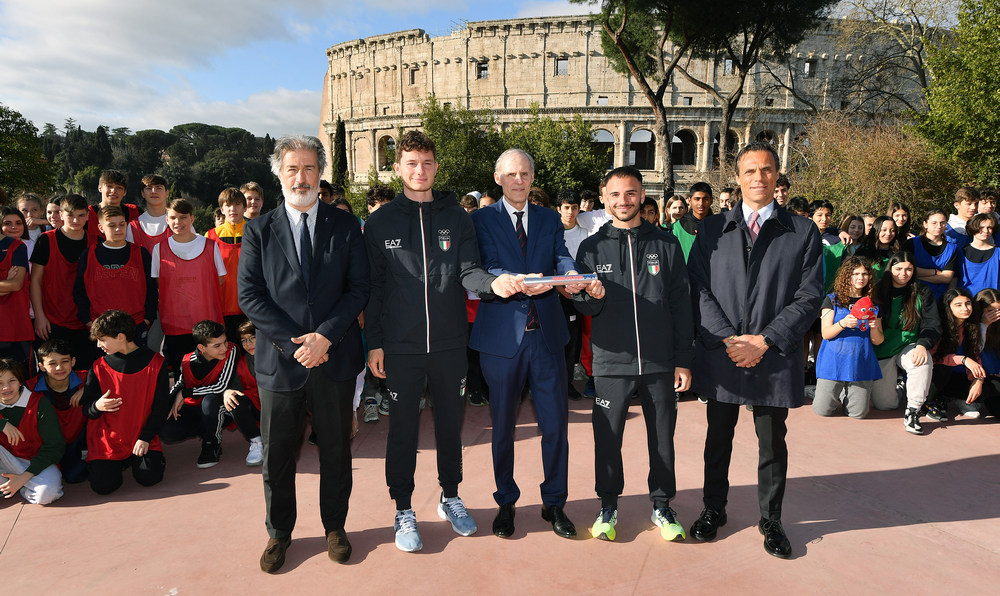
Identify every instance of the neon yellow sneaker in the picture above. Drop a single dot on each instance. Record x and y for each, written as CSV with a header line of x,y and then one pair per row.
x,y
670,529
604,527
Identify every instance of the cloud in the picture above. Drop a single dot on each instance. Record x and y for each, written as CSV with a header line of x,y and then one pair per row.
x,y
555,9
126,64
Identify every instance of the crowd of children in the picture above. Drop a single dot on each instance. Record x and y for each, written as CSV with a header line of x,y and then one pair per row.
x,y
132,322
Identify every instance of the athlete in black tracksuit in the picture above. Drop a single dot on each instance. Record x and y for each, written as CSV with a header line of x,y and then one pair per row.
x,y
422,255
641,331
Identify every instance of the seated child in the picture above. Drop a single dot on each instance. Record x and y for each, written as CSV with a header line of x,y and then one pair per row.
x,y
201,406
63,387
31,443
127,398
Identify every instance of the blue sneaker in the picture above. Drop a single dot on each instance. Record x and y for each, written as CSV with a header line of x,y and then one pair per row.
x,y
407,536
453,510
588,389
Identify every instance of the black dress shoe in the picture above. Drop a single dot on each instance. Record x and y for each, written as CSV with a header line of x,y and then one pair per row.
x,y
707,525
573,393
503,523
775,541
560,523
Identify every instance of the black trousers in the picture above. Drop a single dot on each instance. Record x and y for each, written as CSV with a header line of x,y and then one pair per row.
x,y
106,474
772,464
574,324
445,375
659,410
282,422
946,384
174,348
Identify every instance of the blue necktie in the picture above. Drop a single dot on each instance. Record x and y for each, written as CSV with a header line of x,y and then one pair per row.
x,y
305,248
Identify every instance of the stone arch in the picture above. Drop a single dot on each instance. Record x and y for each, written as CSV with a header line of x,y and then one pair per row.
x,y
386,153
684,148
604,141
734,147
363,158
768,136
642,149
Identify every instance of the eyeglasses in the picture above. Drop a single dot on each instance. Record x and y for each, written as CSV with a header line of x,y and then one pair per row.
x,y
246,341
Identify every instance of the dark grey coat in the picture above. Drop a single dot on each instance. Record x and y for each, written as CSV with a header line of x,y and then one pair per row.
x,y
775,288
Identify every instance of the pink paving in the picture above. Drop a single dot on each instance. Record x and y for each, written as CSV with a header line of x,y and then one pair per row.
x,y
869,509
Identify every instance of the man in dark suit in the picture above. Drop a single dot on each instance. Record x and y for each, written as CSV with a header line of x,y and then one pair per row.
x,y
522,338
757,277
303,281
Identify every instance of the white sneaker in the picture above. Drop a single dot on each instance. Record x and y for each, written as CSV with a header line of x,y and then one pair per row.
x,y
256,455
968,410
407,535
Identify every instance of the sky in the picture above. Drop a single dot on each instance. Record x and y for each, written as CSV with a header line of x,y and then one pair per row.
x,y
255,64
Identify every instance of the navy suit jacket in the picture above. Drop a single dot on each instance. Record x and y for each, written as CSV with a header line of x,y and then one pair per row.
x,y
274,296
500,323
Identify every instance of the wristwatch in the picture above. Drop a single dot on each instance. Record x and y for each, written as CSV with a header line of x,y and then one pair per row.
x,y
768,341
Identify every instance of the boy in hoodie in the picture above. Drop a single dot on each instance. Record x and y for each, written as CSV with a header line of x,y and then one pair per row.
x,y
643,286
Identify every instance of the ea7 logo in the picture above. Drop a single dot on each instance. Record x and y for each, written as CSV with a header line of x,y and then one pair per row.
x,y
393,395
604,268
604,403
393,243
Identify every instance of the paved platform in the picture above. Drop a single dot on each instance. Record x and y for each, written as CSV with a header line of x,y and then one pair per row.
x,y
869,509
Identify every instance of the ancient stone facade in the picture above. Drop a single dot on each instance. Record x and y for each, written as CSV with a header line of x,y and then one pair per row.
x,y
376,85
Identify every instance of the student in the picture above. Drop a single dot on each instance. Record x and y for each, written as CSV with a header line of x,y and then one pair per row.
x,y
987,200
726,200
958,373
900,213
966,204
854,225
869,219
937,259
781,189
980,261
126,397
650,211
14,226
31,207
229,236
700,206
821,212
911,327
63,387
846,366
245,369
326,192
150,228
254,194
112,185
469,202
588,200
54,267
201,406
573,234
799,206
115,274
880,244
640,345
674,210
17,333
190,272
30,442
53,213
988,303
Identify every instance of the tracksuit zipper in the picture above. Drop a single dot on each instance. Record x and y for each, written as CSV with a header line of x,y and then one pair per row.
x,y
427,309
635,307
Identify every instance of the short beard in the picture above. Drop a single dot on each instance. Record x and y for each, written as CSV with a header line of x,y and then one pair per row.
x,y
298,200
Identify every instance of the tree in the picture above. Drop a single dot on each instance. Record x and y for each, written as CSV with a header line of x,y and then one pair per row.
x,y
893,35
467,145
963,117
339,165
102,148
863,167
743,31
22,161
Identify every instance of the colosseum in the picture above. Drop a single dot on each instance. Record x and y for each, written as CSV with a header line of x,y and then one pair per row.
x,y
376,86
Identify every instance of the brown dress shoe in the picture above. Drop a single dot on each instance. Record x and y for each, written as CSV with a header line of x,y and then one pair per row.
x,y
338,546
274,554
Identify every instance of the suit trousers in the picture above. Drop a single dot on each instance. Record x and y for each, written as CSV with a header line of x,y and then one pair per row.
x,y
405,375
772,465
545,371
659,410
282,425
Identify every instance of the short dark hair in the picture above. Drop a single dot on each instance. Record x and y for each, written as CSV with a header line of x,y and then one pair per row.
x,y
206,330
704,187
14,367
728,189
466,202
379,193
622,172
759,146
326,185
988,192
232,196
343,201
414,140
590,195
153,180
111,323
182,206
113,177
782,181
54,346
110,211
71,203
495,193
819,204
649,201
568,196
967,194
798,204
247,328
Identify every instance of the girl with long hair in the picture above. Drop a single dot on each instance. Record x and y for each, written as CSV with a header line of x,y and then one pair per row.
x,y
854,225
988,304
880,244
900,214
980,262
911,327
937,258
846,367
958,372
